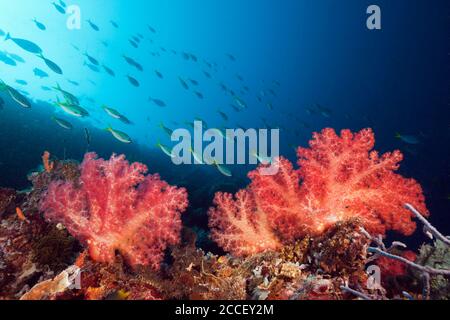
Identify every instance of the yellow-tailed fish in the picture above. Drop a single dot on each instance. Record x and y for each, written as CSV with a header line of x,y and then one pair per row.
x,y
197,158
119,135
223,170
112,112
63,123
166,130
15,95
165,150
263,160
72,109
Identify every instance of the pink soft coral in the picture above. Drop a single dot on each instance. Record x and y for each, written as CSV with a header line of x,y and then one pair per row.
x,y
115,207
339,178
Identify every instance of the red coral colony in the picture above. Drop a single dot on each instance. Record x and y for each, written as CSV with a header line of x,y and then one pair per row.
x,y
339,178
106,230
116,207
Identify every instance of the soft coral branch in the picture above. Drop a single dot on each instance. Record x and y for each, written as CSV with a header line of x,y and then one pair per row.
x,y
115,207
339,178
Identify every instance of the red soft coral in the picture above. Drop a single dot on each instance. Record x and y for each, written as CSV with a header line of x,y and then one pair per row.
x,y
115,207
238,226
348,179
339,178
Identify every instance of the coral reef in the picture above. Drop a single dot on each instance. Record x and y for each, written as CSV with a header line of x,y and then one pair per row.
x,y
115,207
7,196
103,230
339,178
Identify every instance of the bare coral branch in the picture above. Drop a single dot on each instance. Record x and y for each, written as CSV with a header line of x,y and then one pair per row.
x,y
355,293
411,264
428,225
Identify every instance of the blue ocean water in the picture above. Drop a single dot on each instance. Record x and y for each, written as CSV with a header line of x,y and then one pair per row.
x,y
313,64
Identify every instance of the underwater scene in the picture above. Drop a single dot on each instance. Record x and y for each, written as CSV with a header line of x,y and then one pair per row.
x,y
224,150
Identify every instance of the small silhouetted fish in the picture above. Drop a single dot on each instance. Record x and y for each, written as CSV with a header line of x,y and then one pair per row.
x,y
183,83
105,43
16,57
62,3
159,74
92,67
193,57
87,136
133,63
25,44
15,95
151,29
186,56
208,64
241,103
91,59
125,119
52,65
7,60
168,131
272,92
239,77
223,115
199,95
136,39
194,82
109,71
134,44
133,81
63,123
114,24
67,95
235,108
158,102
59,8
207,74
93,25
231,57
40,73
409,139
75,47
45,88
73,82
21,82
223,87
39,25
